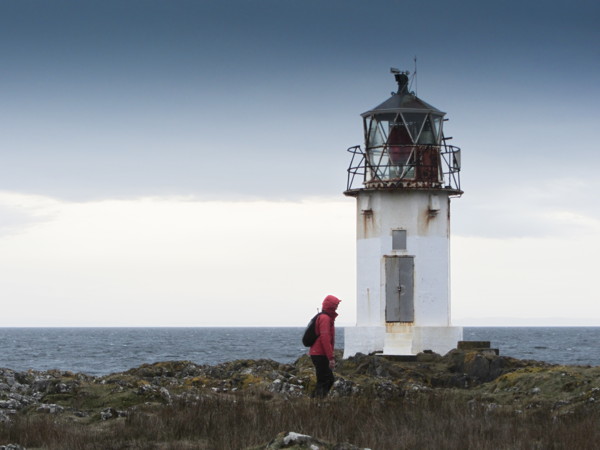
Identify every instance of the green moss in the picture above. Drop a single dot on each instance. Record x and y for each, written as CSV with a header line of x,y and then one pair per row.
x,y
200,381
251,380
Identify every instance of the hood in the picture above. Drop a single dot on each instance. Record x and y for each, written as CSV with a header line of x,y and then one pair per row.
x,y
330,303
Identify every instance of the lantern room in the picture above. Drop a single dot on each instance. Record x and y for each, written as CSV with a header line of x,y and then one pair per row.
x,y
404,146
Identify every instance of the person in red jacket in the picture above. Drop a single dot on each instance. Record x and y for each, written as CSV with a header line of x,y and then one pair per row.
x,y
321,352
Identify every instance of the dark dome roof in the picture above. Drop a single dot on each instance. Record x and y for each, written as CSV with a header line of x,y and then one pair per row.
x,y
404,102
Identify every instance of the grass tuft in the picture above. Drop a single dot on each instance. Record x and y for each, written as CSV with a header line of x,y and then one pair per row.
x,y
234,422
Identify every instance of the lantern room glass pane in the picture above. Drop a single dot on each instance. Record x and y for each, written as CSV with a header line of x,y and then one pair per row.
x,y
379,126
437,127
379,163
398,135
427,136
376,135
414,123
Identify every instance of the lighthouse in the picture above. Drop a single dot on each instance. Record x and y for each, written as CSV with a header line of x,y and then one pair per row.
x,y
403,181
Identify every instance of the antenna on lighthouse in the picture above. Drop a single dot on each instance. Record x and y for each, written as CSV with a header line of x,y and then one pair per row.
x,y
415,78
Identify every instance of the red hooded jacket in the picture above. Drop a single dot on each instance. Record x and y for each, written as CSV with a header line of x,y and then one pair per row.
x,y
325,328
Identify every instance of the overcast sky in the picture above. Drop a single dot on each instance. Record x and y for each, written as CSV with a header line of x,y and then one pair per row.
x,y
182,163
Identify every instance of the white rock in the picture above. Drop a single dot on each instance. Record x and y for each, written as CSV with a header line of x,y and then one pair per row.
x,y
295,437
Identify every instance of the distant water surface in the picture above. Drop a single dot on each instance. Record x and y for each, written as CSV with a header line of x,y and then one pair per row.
x,y
100,351
558,345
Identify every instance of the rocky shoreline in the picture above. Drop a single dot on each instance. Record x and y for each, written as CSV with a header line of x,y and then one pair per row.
x,y
499,382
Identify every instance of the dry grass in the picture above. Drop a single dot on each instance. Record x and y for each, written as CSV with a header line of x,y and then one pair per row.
x,y
423,421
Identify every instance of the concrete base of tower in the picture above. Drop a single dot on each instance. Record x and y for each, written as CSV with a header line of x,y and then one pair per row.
x,y
400,339
364,340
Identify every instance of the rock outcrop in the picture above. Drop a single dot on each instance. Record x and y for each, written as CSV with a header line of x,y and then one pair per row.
x,y
475,375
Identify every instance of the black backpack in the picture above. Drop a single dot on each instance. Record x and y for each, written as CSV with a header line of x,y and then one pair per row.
x,y
310,334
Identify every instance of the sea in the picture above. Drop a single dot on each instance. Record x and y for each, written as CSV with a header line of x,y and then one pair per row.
x,y
101,351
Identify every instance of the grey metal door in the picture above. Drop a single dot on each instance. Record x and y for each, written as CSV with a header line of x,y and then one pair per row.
x,y
399,289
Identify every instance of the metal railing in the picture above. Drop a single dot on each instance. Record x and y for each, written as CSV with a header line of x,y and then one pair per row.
x,y
396,167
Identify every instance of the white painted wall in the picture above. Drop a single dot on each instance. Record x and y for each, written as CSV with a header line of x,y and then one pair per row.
x,y
427,241
378,213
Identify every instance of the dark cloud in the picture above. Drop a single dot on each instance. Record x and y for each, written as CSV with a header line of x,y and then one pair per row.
x,y
262,98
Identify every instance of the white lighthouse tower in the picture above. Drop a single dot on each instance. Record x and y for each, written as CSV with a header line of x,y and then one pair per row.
x,y
403,181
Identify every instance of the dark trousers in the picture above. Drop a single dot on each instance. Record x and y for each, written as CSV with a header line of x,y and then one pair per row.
x,y
325,377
